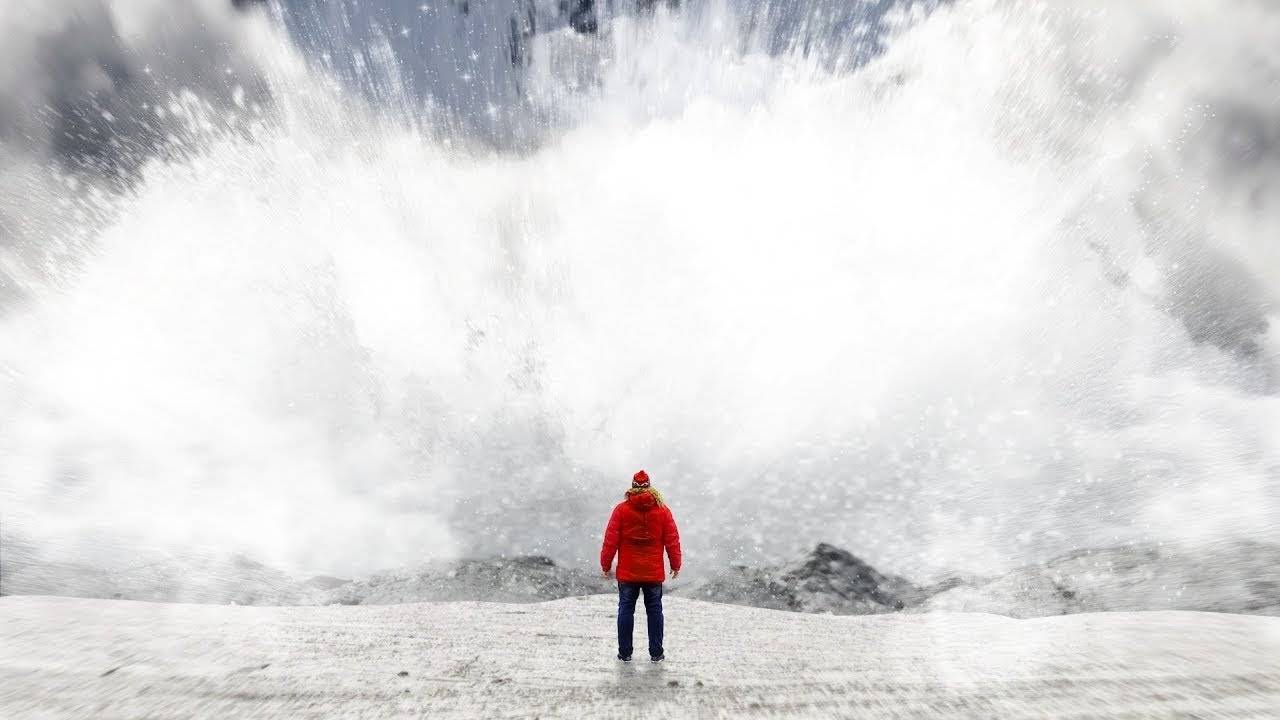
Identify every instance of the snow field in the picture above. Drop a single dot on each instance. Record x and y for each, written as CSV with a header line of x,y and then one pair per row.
x,y
75,658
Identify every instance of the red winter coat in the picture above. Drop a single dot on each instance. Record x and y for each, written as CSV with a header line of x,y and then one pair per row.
x,y
639,530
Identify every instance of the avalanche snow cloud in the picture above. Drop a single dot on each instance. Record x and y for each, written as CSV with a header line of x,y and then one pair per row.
x,y
960,285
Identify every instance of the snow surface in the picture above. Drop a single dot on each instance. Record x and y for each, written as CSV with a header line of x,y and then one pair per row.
x,y
70,658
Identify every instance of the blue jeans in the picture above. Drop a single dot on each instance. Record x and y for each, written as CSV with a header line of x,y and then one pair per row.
x,y
628,593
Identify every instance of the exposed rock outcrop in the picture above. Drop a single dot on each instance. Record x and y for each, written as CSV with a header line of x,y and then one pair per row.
x,y
826,580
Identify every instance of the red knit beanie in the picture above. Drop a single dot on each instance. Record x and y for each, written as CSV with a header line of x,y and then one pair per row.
x,y
640,480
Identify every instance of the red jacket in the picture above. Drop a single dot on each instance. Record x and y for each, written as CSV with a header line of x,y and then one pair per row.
x,y
639,530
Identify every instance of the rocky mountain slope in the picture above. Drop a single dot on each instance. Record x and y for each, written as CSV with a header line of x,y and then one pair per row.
x,y
826,580
192,578
529,578
1235,577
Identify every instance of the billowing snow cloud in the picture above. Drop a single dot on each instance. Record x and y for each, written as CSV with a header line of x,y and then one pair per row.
x,y
1003,287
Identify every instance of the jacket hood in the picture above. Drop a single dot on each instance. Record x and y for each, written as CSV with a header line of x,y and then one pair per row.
x,y
642,501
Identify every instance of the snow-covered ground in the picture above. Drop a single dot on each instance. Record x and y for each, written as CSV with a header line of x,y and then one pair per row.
x,y
62,658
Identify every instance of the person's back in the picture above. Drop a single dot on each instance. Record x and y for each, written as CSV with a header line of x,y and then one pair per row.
x,y
640,529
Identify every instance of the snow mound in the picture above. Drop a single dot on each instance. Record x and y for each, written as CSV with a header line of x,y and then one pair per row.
x,y
1232,577
70,658
189,578
529,578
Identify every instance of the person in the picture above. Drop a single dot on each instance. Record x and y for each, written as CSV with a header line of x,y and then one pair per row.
x,y
639,530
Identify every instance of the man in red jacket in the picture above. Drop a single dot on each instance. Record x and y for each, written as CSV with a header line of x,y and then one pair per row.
x,y
639,529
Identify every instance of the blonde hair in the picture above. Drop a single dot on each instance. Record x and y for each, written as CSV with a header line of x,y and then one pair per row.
x,y
651,490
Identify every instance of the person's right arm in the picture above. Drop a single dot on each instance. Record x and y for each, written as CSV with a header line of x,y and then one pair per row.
x,y
612,538
671,538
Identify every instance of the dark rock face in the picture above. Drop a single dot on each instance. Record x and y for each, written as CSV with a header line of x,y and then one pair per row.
x,y
581,15
826,580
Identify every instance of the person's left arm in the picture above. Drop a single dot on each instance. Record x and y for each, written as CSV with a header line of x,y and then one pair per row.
x,y
612,538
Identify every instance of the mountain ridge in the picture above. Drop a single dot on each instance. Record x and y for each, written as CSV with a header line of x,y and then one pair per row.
x,y
1229,576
